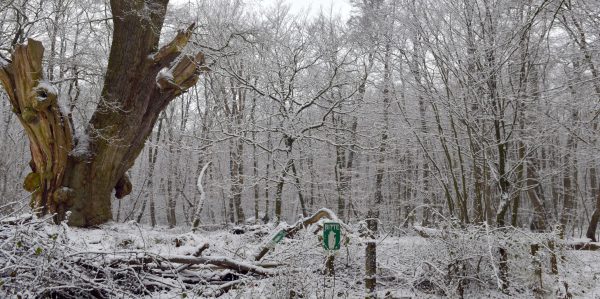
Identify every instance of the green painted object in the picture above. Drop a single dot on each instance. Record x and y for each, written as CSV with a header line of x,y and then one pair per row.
x,y
278,237
332,236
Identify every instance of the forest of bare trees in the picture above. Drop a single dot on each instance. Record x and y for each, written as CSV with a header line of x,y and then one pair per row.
x,y
405,113
478,110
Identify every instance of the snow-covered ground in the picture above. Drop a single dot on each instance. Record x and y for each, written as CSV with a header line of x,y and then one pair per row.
x,y
409,265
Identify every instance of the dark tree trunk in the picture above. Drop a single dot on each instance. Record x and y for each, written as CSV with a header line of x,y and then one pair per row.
x,y
78,174
289,142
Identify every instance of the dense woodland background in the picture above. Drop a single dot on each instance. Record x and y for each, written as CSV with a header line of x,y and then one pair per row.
x,y
480,110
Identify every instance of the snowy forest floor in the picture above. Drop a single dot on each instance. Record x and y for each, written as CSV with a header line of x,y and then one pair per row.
x,y
39,259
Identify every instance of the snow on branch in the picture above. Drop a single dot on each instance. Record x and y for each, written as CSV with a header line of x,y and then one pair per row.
x,y
41,260
175,46
182,74
303,223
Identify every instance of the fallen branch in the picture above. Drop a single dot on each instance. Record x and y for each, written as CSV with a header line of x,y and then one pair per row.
x,y
196,254
17,220
226,287
582,245
303,223
427,232
223,262
28,250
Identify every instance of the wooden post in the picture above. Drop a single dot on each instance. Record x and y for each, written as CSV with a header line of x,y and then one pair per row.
x,y
371,259
329,269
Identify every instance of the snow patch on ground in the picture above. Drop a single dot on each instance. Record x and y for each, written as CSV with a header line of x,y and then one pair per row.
x,y
408,265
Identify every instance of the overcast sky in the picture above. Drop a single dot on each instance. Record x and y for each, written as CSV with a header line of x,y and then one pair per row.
x,y
312,7
341,7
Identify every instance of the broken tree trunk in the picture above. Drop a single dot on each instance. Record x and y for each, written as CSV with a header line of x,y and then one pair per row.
x,y
34,101
78,173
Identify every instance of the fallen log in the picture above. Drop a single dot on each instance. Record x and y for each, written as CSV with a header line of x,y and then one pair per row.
x,y
426,232
582,245
150,260
196,254
222,261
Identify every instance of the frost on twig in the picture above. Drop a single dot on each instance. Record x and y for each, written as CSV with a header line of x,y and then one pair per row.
x,y
43,261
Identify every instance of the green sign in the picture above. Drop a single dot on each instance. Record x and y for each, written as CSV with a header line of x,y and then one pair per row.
x,y
332,236
278,237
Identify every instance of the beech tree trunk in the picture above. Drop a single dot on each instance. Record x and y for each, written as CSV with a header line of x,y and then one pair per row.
x,y
78,173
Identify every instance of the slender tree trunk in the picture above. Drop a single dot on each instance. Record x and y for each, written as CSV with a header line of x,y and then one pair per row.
x,y
238,180
340,176
592,226
152,155
255,162
279,189
536,196
200,196
569,174
267,187
299,188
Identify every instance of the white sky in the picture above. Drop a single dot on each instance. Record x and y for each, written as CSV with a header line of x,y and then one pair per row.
x,y
337,7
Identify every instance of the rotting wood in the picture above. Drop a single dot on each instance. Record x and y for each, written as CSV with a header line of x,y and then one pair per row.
x,y
50,134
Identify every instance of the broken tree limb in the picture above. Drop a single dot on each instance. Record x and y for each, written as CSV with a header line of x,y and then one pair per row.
x,y
223,262
177,44
427,232
34,101
292,230
226,287
139,258
196,254
582,245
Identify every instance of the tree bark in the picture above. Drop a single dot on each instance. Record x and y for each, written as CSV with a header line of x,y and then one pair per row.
x,y
289,141
78,174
